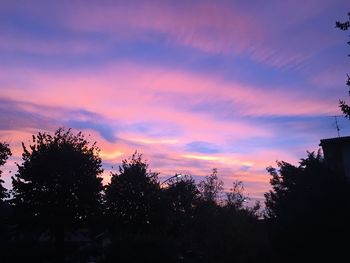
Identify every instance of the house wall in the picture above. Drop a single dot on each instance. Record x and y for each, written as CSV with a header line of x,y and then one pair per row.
x,y
346,162
337,154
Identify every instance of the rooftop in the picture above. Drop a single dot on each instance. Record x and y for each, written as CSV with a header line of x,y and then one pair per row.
x,y
337,140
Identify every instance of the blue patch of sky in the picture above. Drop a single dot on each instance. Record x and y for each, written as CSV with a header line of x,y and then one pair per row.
x,y
245,168
254,144
107,132
310,124
45,29
49,33
152,129
47,62
231,67
202,147
242,69
228,110
39,28
219,108
114,51
86,114
296,130
14,117
20,23
332,56
290,132
141,127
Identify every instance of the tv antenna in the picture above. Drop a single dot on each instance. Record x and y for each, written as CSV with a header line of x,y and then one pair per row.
x,y
337,123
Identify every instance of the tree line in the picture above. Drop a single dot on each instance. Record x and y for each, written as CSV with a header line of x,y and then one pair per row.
x,y
57,194
59,211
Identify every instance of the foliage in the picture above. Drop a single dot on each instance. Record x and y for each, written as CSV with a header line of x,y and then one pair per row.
x,y
298,187
181,196
57,190
5,235
342,104
59,177
5,152
184,224
57,187
235,198
343,25
133,195
211,187
307,208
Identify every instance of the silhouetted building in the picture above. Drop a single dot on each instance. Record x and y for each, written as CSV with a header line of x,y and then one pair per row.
x,y
336,153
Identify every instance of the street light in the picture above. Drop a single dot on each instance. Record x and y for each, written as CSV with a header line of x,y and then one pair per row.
x,y
175,176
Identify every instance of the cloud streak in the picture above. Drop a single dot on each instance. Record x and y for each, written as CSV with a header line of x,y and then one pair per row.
x,y
192,85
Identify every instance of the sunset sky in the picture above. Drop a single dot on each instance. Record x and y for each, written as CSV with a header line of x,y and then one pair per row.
x,y
193,85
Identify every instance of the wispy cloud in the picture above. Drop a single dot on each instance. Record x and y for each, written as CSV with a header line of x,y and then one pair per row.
x,y
194,85
275,33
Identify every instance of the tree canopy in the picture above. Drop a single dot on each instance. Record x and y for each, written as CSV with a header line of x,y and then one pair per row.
x,y
211,187
58,184
308,208
59,177
181,198
57,191
5,152
133,195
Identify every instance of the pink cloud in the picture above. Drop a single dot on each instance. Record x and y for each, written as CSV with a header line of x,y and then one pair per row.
x,y
125,94
148,87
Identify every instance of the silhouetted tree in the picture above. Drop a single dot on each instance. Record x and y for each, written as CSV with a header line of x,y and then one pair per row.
x,y
133,195
5,152
57,184
181,197
235,198
225,230
211,187
308,209
137,215
342,104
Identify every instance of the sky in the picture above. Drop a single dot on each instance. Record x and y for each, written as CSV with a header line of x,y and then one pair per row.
x,y
192,85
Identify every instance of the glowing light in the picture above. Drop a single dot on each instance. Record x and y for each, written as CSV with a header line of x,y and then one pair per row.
x,y
201,157
111,155
155,141
248,164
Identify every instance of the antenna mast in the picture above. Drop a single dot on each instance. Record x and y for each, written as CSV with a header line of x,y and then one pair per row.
x,y
337,124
